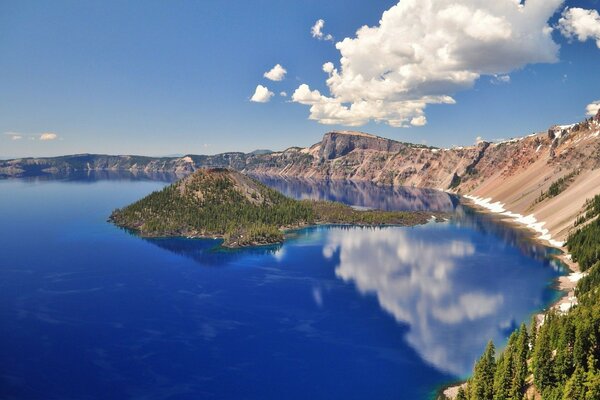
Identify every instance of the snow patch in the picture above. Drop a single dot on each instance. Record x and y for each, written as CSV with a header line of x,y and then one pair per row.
x,y
566,127
576,276
528,220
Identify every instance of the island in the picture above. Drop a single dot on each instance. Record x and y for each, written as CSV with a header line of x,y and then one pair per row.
x,y
222,203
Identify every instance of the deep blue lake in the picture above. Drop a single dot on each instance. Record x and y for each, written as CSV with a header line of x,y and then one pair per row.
x,y
88,311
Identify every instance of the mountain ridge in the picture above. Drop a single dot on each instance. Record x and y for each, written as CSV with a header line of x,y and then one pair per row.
x,y
515,172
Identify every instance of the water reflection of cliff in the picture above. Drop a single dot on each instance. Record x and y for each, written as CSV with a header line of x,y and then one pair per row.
x,y
508,233
367,194
364,194
90,176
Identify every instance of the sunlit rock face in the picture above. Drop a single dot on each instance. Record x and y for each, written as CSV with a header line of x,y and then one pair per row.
x,y
421,277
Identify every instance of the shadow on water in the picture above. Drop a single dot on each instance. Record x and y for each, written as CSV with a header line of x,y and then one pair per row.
x,y
208,252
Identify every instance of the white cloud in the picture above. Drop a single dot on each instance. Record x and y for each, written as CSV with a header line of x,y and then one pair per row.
x,y
419,121
500,79
304,95
14,135
277,73
317,31
262,94
422,52
580,24
592,108
45,136
328,67
283,94
48,136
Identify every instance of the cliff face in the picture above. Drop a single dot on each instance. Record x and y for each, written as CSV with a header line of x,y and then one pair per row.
x,y
338,144
360,157
515,172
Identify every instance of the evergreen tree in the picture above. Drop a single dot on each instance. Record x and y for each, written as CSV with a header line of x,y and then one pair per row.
x,y
483,378
521,354
542,359
575,388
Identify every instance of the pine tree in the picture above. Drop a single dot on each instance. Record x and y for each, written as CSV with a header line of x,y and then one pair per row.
x,y
542,359
521,354
575,388
482,385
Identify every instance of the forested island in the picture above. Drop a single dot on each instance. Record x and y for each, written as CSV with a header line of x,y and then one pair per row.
x,y
221,203
558,359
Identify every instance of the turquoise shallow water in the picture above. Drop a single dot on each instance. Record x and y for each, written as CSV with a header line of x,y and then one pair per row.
x,y
88,311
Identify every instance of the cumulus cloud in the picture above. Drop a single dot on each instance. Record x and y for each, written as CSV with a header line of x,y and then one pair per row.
x,y
48,136
277,73
592,108
422,52
317,31
580,24
262,94
328,67
283,94
419,121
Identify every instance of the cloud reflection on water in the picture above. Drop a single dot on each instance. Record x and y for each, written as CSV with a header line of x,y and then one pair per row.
x,y
415,280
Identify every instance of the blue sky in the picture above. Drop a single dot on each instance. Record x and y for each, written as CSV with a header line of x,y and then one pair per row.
x,y
158,77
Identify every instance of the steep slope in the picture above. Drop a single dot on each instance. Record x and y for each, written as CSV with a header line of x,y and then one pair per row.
x,y
520,173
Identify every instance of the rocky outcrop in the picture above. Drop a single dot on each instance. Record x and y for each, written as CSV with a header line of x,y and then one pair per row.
x,y
339,143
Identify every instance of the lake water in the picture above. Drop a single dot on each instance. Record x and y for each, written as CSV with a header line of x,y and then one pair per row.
x,y
88,311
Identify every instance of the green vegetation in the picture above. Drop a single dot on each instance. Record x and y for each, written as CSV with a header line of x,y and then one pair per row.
x,y
243,211
561,357
557,187
584,244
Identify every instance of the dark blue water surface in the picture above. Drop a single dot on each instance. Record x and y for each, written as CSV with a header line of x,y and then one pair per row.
x,y
88,311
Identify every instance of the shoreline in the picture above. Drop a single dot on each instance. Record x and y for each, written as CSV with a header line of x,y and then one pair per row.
x,y
565,283
286,231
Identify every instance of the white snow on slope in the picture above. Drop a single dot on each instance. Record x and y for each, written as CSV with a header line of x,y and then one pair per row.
x,y
528,220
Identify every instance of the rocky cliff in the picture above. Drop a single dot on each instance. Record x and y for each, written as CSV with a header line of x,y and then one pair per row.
x,y
517,172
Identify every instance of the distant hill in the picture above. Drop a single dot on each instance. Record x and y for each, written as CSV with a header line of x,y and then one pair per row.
x,y
260,152
226,204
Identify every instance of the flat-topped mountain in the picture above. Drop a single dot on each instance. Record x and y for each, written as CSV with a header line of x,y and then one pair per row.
x,y
339,143
222,203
